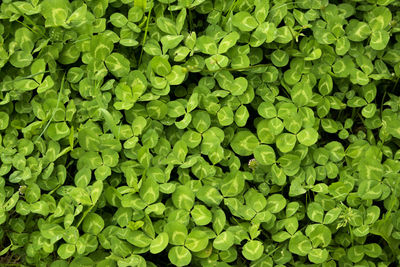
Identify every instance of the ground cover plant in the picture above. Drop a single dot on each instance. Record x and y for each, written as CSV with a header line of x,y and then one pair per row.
x,y
199,132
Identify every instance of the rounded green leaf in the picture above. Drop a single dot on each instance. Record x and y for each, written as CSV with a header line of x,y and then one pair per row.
x,y
320,235
276,203
239,86
308,136
118,20
241,116
315,212
57,131
160,65
66,250
176,76
301,94
253,250
299,244
138,239
93,224
149,191
267,110
244,143
225,116
179,256
118,64
21,59
379,39
201,215
4,119
285,142
224,241
183,198
159,243
279,58
318,255
265,154
177,232
357,31
196,241
201,121
373,250
356,253
32,193
369,110
244,21
232,184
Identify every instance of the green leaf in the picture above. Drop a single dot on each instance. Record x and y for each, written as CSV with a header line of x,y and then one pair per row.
x,y
93,224
285,142
264,154
232,184
81,196
166,25
239,86
253,250
308,136
301,94
244,21
32,193
356,253
57,131
315,212
225,116
118,64
275,203
196,241
66,250
201,215
267,110
279,58
318,256
224,241
159,243
160,65
320,235
357,31
179,256
118,20
183,198
244,142
21,59
207,45
4,120
379,39
149,191
177,232
299,244
227,42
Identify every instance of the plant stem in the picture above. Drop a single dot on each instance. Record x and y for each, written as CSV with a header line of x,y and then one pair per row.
x,y
145,35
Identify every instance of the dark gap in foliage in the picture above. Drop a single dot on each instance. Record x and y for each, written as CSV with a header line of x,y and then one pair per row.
x,y
253,114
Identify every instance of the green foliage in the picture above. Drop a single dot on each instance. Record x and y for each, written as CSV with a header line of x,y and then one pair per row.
x,y
200,133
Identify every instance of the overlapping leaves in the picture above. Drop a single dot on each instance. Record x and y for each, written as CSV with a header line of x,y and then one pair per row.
x,y
199,132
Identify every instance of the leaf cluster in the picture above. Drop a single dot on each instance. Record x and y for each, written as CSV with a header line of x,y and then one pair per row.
x,y
200,132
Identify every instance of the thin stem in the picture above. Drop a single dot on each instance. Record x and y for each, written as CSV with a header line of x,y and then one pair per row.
x,y
54,111
84,215
145,35
29,20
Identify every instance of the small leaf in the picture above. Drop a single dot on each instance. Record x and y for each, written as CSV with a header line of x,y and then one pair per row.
x,y
179,256
244,21
253,250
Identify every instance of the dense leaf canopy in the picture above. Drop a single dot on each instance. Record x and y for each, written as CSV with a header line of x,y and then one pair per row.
x,y
199,132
